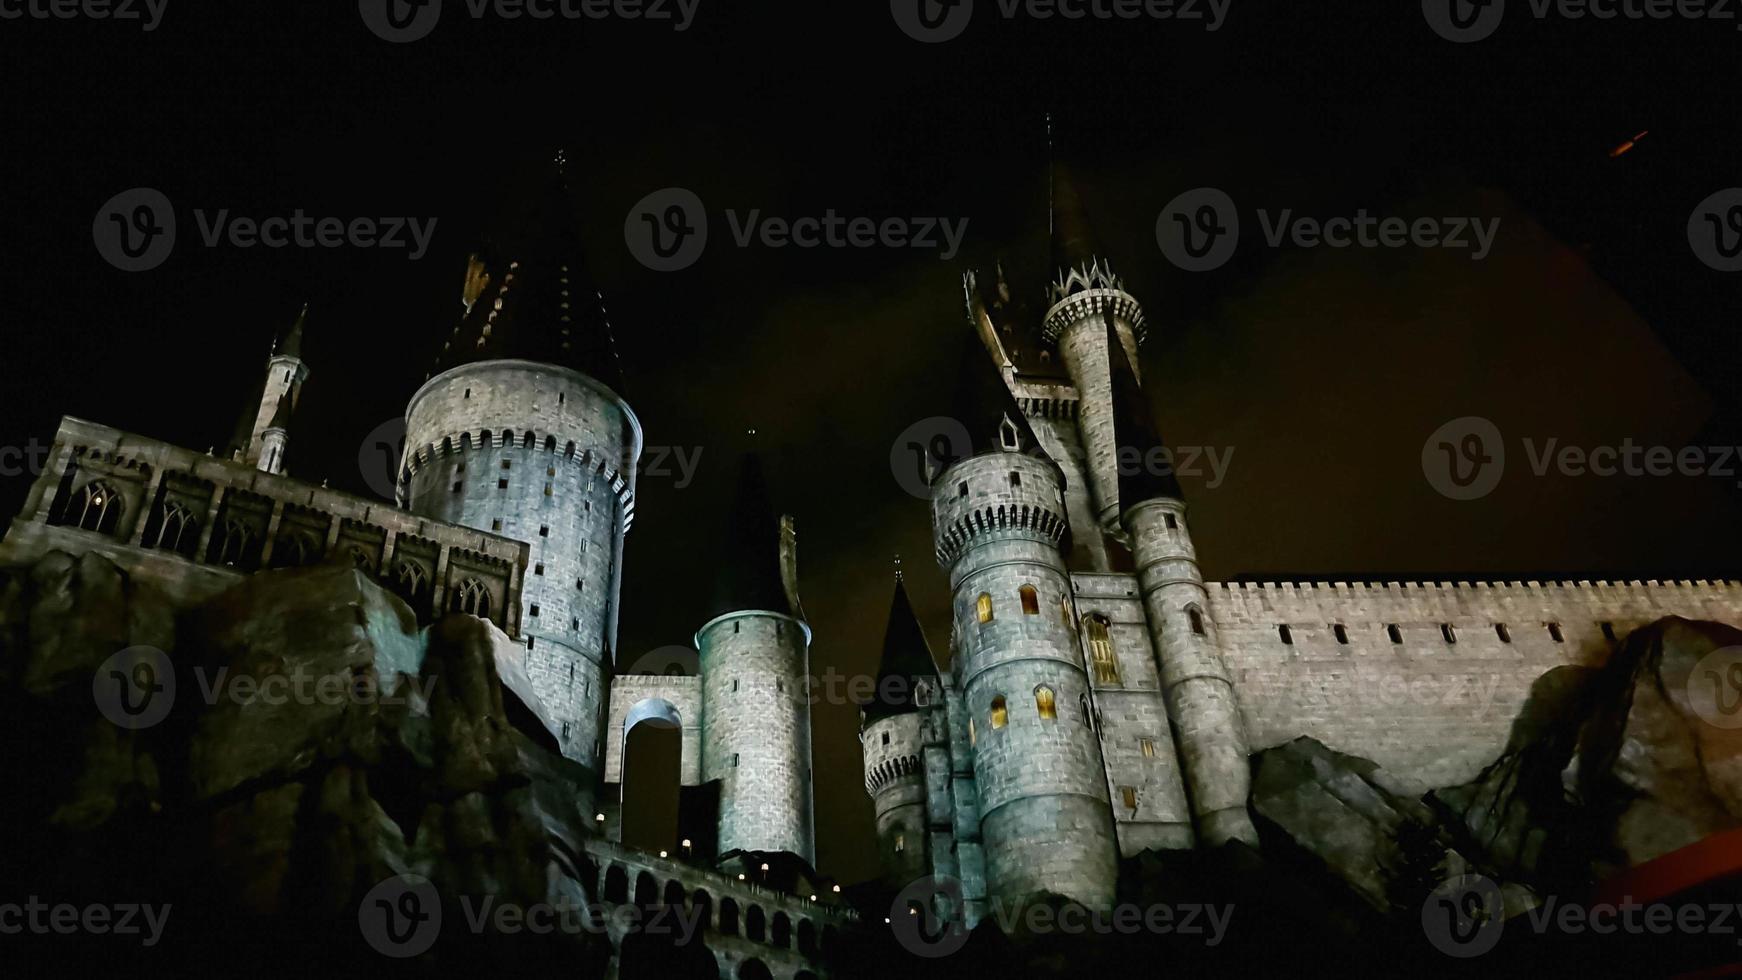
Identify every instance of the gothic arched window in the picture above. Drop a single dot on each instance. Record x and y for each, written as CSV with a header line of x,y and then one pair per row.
x,y
1045,703
1030,601
1000,714
179,530
238,539
1197,619
983,607
471,597
98,507
1101,656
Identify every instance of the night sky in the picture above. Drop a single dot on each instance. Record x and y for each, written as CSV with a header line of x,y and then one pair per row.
x,y
1324,370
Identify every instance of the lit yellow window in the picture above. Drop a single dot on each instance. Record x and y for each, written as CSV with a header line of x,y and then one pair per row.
x,y
1129,794
1030,601
1101,652
1044,703
1000,714
1065,610
983,606
1148,747
970,731
900,843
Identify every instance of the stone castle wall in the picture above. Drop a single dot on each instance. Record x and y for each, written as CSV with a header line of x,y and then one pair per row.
x,y
1430,709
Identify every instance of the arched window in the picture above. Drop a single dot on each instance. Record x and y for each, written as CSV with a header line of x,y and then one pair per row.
x,y
528,440
1000,714
1045,703
550,444
98,507
179,531
1196,616
728,917
983,607
294,549
1101,657
361,558
781,933
410,581
1341,632
755,924
238,541
1030,601
616,884
471,597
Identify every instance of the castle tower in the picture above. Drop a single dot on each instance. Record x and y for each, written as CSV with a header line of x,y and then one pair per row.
x,y
755,661
1084,294
892,736
262,435
521,431
1210,737
1001,532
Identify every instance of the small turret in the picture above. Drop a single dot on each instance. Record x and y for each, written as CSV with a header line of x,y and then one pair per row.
x,y
892,737
262,434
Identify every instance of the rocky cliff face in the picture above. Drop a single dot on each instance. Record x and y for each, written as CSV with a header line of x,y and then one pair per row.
x,y
302,741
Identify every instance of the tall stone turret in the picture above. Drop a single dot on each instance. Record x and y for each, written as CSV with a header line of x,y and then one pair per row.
x,y
262,436
522,431
1199,691
755,662
1084,294
1001,532
893,736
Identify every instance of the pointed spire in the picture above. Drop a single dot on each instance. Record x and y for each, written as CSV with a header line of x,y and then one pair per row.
x,y
528,293
986,407
1073,244
906,659
750,574
292,344
1142,474
281,414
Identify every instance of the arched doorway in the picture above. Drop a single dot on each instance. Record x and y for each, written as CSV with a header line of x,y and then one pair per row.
x,y
652,771
754,969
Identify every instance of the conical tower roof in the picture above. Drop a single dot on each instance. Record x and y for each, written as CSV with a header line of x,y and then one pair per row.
x,y
291,346
749,571
1073,242
986,407
906,661
529,296
1134,432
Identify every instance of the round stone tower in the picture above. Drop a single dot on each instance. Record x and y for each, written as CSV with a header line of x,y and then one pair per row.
x,y
755,661
1000,528
892,738
1085,296
521,432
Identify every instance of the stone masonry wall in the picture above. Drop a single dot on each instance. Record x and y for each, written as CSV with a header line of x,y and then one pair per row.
x,y
1432,711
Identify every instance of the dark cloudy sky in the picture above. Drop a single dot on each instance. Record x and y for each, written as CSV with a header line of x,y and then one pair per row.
x,y
1591,322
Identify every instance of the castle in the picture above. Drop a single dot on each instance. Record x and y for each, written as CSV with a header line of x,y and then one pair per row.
x,y
1101,699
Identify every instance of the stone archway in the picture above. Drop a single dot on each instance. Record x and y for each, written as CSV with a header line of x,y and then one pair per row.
x,y
652,775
